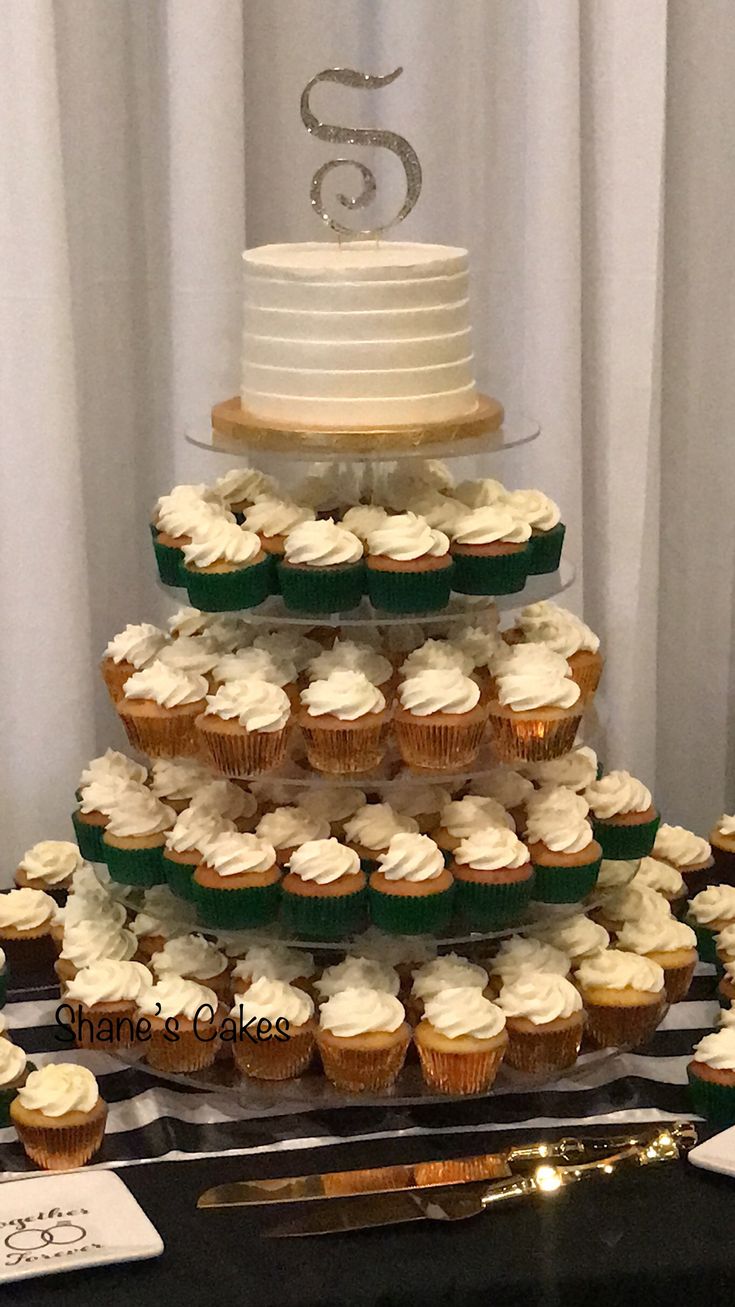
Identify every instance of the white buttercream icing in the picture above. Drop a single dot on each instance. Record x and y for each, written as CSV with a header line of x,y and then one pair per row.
x,y
58,1088
324,861
270,999
447,691
406,537
375,824
540,997
138,812
617,793
138,644
233,854
464,1011
490,849
287,828
323,543
358,973
680,846
616,969
257,705
26,909
410,857
166,686
363,1011
51,861
344,694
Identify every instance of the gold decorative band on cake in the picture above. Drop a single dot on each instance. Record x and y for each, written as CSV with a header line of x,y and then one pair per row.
x,y
239,426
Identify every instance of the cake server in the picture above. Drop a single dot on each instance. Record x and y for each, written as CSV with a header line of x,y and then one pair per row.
x,y
459,1202
334,1185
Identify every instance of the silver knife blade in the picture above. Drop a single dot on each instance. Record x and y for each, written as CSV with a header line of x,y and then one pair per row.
x,y
370,1211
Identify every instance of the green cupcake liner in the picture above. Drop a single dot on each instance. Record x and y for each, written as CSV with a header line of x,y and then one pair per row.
x,y
168,561
6,1098
714,1102
565,884
398,915
228,592
236,909
89,839
410,592
321,589
3,986
706,943
501,574
135,866
179,878
626,843
493,905
546,550
324,918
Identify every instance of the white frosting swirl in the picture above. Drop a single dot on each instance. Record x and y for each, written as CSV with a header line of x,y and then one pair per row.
x,y
447,972
532,676
616,969
490,849
178,778
726,825
347,656
96,940
275,962
717,1049
270,999
436,656
138,812
540,998
345,695
726,941
12,1063
241,484
480,494
715,903
375,825
109,982
166,686
58,1088
360,1012
222,629
286,646
195,654
503,784
87,906
415,858
680,846
576,935
192,956
406,537
138,644
564,632
324,861
286,828
574,770
244,663
26,909
534,507
276,517
617,792
102,793
222,798
419,800
485,526
333,804
447,691
233,854
257,705
463,817
194,828
172,996
51,861
187,509
464,1011
440,511
634,903
558,819
115,765
661,877
363,519
358,973
656,935
516,955
323,543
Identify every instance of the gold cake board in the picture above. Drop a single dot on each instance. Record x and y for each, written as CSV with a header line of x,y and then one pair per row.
x,y
238,425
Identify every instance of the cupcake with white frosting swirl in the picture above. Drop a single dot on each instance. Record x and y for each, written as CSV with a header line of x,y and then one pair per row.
x,y
411,892
134,838
508,787
624,817
461,1041
245,727
250,662
283,1016
689,853
352,656
273,519
225,632
670,943
225,567
494,878
409,566
722,842
50,866
14,1071
370,830
664,879
195,958
176,780
491,550
566,634
27,920
128,652
176,517
286,828
103,997
363,1039
576,935
439,719
322,569
324,891
243,486
159,707
547,529
273,962
423,802
711,1075
185,843
192,1011
565,856
544,1019
237,884
711,911
460,818
59,1116
538,707
344,721
624,997
574,770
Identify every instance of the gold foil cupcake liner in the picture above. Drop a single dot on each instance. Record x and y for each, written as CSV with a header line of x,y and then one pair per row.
x,y
677,981
189,1052
436,746
274,1059
532,739
460,1073
625,1026
244,755
114,676
587,678
542,1052
162,737
61,1148
344,751
355,1070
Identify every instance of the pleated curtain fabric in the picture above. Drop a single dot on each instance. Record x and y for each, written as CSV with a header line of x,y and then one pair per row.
x,y
581,149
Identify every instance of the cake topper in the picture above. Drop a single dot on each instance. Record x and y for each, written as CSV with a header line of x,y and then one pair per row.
x,y
358,136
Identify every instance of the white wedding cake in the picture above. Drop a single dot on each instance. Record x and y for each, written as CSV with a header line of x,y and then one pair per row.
x,y
364,333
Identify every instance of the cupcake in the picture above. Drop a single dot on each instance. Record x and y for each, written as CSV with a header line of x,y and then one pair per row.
x,y
538,709
229,801
257,664
711,1075
324,892
577,935
461,1041
59,1116
435,656
225,631
481,492
547,529
322,569
689,853
363,1039
439,720
273,520
722,841
91,940
103,998
130,651
494,878
134,838
237,884
361,519
184,845
283,1017
507,787
14,1071
175,781
725,945
399,955
225,567
544,1021
431,978
424,803
194,958
624,997
624,818
49,866
566,859
628,902
566,634
574,770
357,973
112,766
190,1011
194,654
412,892
245,727
461,818
344,721
288,828
710,912
350,656
176,517
517,955
670,943
243,486
26,930
335,804
287,645
409,566
272,961
162,916
491,551
664,879
97,798
159,708
370,830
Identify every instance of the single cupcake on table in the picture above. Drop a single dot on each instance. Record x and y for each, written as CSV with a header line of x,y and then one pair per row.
x,y
322,568
492,552
237,883
272,961
370,830
624,997
357,973
351,656
689,853
461,818
574,770
344,721
439,720
245,727
14,1071
194,1009
722,842
129,651
508,788
710,911
409,566
711,1075
461,1041
577,935
424,802
288,828
159,708
625,820
90,940
243,486
59,1116
538,708
195,958
175,780
566,634
333,803
184,846
175,518
273,519
324,891
363,1039
161,916
544,1020
251,663
50,866
494,878
287,1048
104,997
450,971
670,943
97,798
27,919
134,838
547,529
411,892
664,879
565,856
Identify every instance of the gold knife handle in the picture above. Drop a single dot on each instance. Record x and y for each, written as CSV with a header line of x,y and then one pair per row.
x,y
574,1148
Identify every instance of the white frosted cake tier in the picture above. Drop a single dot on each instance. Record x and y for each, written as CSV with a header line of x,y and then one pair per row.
x,y
361,333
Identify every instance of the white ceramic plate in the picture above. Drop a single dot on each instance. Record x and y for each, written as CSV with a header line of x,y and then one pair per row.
x,y
717,1153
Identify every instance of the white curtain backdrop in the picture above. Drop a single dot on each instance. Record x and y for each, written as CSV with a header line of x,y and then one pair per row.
x,y
581,149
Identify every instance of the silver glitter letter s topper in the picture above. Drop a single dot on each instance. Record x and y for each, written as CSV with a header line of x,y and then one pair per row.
x,y
358,136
